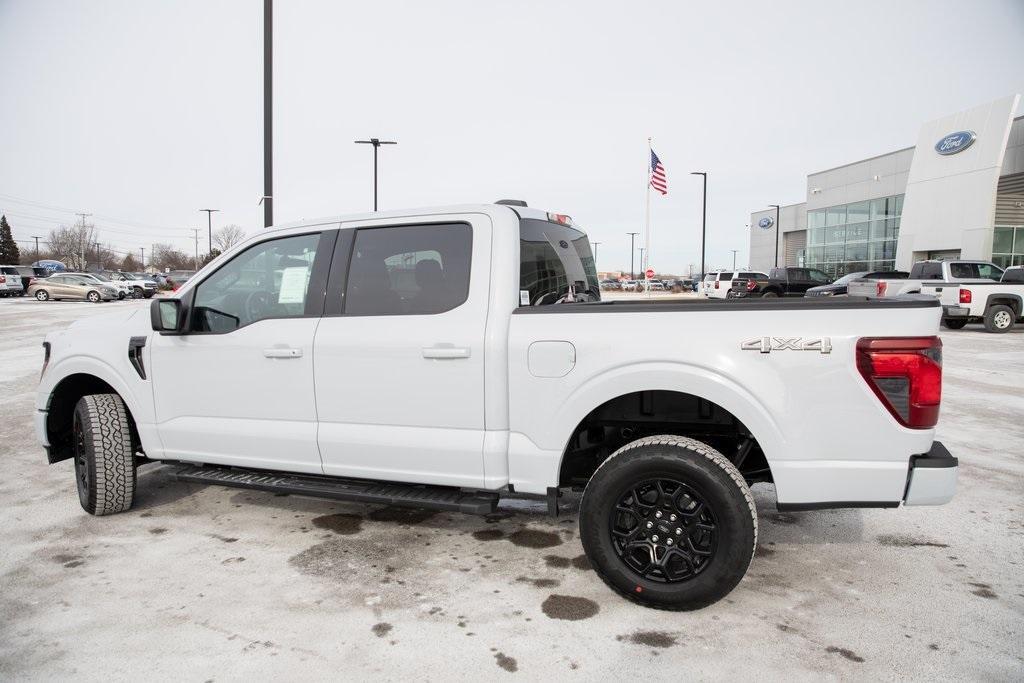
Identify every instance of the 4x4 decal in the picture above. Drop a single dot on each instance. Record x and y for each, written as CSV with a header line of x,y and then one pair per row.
x,y
769,344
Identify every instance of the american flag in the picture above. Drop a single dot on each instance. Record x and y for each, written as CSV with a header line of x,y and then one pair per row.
x,y
658,180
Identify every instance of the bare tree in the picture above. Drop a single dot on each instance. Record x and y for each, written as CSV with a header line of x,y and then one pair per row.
x,y
130,263
228,236
72,244
166,256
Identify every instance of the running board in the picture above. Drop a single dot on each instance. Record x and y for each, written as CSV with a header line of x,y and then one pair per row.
x,y
356,490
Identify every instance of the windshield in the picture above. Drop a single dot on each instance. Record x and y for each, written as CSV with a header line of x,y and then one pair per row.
x,y
849,276
553,257
101,278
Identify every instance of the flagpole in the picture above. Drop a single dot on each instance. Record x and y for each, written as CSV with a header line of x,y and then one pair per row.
x,y
647,224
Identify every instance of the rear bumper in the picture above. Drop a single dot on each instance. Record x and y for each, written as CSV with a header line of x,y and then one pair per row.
x,y
955,312
932,478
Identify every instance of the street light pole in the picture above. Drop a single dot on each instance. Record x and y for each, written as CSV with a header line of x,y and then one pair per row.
x,y
643,267
776,234
376,142
595,253
268,113
632,250
704,218
734,258
195,234
209,225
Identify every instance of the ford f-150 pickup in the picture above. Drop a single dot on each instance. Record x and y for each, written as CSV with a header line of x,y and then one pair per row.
x,y
450,357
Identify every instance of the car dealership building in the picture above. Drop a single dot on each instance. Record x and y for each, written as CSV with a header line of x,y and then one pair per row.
x,y
959,193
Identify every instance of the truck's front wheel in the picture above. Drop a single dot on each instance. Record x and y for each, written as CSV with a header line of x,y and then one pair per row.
x,y
668,522
104,457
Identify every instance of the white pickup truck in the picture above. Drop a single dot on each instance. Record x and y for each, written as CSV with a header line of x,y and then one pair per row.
x,y
450,357
925,272
997,305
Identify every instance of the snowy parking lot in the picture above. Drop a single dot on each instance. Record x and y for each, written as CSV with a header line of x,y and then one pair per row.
x,y
208,583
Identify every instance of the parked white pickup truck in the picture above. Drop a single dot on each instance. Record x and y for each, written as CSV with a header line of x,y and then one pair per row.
x,y
998,305
450,357
922,272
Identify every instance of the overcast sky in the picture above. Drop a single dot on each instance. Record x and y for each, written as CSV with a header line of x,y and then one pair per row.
x,y
144,112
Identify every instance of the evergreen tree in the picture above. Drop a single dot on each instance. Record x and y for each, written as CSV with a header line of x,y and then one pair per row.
x,y
9,254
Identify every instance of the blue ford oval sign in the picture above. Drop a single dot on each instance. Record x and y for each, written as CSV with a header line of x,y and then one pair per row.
x,y
766,222
955,142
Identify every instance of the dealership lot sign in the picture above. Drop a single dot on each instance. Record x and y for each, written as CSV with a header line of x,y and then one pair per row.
x,y
955,142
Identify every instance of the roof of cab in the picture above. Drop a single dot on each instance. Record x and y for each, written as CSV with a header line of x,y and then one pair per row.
x,y
521,211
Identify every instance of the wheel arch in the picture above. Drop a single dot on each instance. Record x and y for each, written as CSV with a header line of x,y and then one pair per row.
x,y
667,389
61,389
1014,301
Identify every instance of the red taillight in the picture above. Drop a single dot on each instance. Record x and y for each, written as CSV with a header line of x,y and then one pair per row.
x,y
559,218
3,279
750,285
906,375
965,296
716,284
880,287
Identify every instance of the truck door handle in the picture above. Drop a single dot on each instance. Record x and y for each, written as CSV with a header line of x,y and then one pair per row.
x,y
446,352
286,352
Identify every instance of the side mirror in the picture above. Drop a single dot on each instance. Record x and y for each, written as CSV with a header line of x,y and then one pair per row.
x,y
165,316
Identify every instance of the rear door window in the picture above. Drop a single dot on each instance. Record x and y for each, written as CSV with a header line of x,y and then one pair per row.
x,y
409,270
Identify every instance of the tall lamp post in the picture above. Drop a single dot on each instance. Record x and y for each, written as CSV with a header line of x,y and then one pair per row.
x,y
595,253
734,258
376,142
777,207
632,250
268,113
704,217
209,225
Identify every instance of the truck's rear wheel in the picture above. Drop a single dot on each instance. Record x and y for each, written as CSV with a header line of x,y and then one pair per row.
x,y
104,458
668,522
954,323
769,295
999,318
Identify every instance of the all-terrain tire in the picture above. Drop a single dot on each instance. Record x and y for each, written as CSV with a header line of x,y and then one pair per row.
x,y
770,295
104,457
954,323
137,292
999,318
696,468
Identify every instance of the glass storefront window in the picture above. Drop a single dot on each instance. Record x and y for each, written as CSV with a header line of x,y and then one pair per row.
x,y
1008,245
857,251
1002,241
858,236
836,215
857,232
857,213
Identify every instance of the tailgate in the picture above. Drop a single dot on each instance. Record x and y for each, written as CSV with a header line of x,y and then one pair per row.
x,y
948,294
864,287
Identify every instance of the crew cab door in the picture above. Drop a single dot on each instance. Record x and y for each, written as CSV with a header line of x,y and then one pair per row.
x,y
236,386
399,353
